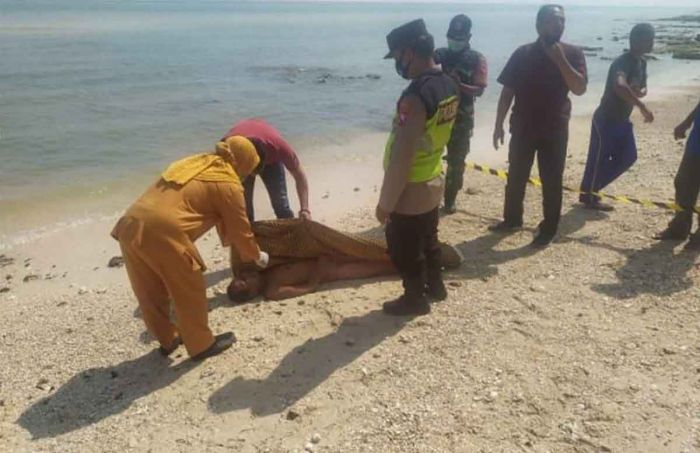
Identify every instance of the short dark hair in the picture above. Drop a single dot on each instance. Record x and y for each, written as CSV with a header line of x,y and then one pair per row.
x,y
239,297
642,31
547,10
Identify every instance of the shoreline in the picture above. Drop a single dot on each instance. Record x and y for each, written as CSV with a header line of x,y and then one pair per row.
x,y
343,177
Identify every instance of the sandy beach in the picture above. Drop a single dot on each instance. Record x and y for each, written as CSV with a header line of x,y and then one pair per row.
x,y
590,345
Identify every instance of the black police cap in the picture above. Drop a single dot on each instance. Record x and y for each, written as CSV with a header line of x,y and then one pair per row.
x,y
405,36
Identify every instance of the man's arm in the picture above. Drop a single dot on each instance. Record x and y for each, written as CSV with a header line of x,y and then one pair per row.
x,y
641,90
504,103
681,129
628,94
289,292
234,228
575,80
409,130
470,90
640,93
302,185
291,162
273,291
480,80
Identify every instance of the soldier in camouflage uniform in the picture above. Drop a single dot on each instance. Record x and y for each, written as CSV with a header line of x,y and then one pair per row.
x,y
468,67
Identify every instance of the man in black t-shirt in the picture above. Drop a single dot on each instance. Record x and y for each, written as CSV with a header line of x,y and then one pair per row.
x,y
539,77
612,149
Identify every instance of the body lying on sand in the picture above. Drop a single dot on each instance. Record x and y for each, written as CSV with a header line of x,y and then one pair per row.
x,y
304,255
303,277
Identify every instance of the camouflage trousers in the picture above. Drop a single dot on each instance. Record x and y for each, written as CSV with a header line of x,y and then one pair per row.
x,y
457,150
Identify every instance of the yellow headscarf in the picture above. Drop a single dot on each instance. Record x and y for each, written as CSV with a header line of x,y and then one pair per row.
x,y
233,160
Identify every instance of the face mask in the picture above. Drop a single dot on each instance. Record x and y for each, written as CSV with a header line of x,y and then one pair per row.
x,y
402,69
456,45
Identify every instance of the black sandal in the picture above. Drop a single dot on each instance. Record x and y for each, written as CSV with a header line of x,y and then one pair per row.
x,y
221,343
177,341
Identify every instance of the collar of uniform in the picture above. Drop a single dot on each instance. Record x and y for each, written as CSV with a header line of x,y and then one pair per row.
x,y
465,50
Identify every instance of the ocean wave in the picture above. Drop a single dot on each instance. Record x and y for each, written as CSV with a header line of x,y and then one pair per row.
x,y
310,74
9,241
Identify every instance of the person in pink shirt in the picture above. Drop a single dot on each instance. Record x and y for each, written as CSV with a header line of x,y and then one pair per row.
x,y
277,155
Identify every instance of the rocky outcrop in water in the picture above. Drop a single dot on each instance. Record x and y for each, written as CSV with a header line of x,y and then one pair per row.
x,y
679,37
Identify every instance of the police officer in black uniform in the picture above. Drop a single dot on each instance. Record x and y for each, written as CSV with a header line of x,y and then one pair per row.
x,y
413,182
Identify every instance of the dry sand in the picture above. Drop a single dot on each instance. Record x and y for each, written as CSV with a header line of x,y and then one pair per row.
x,y
591,345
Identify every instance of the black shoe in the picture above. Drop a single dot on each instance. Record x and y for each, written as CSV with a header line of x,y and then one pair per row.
x,y
542,239
221,343
670,234
436,291
449,209
596,205
177,341
505,227
405,306
694,242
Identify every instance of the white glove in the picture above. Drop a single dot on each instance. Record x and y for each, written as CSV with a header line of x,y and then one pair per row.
x,y
263,260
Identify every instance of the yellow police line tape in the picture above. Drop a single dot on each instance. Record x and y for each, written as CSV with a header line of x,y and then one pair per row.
x,y
537,182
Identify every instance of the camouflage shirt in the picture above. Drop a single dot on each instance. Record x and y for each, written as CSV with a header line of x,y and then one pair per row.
x,y
470,66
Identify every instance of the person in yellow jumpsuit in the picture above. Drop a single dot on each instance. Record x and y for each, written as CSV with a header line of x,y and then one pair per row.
x,y
157,235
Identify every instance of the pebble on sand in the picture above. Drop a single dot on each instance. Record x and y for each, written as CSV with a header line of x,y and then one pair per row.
x,y
6,260
115,261
44,385
30,277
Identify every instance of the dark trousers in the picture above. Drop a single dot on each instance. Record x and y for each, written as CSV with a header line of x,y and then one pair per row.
x,y
611,152
551,157
414,249
687,184
275,181
457,150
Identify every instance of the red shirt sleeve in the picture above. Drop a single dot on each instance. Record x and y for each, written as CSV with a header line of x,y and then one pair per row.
x,y
286,154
